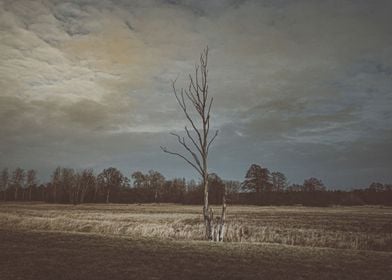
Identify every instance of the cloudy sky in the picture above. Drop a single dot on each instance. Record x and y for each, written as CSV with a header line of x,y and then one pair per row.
x,y
301,87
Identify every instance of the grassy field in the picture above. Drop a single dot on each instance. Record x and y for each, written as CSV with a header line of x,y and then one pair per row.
x,y
367,228
44,241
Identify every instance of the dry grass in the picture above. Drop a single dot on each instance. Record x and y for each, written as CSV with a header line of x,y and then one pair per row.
x,y
340,227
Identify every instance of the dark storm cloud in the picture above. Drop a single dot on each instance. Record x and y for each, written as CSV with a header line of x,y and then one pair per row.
x,y
303,87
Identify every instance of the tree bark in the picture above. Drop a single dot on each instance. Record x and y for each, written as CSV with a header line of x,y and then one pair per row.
x,y
218,225
207,212
222,228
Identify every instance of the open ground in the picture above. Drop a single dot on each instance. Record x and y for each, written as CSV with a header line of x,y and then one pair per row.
x,y
46,241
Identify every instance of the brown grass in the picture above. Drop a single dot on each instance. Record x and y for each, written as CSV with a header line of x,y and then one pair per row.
x,y
340,227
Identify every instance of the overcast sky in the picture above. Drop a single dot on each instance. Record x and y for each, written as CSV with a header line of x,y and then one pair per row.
x,y
301,87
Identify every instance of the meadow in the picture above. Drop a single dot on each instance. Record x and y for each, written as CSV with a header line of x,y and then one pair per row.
x,y
165,241
365,227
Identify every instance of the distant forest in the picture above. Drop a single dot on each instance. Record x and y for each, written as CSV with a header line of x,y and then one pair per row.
x,y
260,187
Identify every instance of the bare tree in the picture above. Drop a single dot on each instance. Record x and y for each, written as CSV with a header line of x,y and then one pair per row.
x,y
139,179
279,181
88,182
196,106
18,180
69,183
31,181
313,184
4,182
156,181
56,179
110,180
153,181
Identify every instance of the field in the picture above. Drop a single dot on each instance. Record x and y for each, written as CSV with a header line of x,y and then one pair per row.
x,y
45,241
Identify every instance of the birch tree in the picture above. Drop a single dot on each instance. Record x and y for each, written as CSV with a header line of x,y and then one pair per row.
x,y
196,104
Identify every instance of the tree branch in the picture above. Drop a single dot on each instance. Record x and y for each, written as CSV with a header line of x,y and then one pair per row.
x,y
164,149
182,142
193,140
182,104
212,139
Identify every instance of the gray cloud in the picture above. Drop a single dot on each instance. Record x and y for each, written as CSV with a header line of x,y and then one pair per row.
x,y
300,86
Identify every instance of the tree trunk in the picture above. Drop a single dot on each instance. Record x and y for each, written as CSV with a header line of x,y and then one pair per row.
x,y
16,193
30,193
218,225
156,195
78,194
214,228
207,211
82,194
258,195
107,196
5,191
95,193
221,232
75,197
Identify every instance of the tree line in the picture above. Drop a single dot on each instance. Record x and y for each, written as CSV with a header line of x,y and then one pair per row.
x,y
259,187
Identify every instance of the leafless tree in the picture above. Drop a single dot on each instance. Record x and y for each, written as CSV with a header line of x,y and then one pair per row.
x,y
110,179
87,182
31,181
18,180
56,179
196,106
4,182
152,181
69,183
313,184
279,181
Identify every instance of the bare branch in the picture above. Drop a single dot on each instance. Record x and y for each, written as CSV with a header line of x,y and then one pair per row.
x,y
209,107
208,115
183,157
212,140
183,143
182,104
193,140
194,102
192,89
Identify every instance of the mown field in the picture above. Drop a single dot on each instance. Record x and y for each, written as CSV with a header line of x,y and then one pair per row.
x,y
46,241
